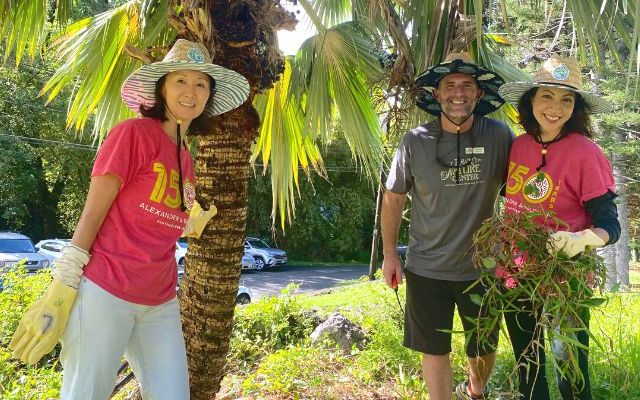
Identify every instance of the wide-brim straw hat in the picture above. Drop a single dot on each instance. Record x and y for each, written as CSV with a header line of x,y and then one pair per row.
x,y
556,72
459,63
231,89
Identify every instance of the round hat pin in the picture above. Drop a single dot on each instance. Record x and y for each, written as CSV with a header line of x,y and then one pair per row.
x,y
560,72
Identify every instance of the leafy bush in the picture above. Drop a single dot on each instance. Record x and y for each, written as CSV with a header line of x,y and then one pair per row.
x,y
294,371
18,381
269,325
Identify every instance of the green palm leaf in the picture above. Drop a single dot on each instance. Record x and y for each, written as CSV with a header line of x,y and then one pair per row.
x,y
333,72
282,143
95,63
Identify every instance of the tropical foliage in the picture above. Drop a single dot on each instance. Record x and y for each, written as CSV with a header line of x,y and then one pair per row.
x,y
47,169
336,73
334,219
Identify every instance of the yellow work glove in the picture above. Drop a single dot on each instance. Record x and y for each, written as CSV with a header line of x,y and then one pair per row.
x,y
573,243
198,219
42,326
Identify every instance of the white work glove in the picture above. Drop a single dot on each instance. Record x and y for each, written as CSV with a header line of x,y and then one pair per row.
x,y
573,243
68,268
198,219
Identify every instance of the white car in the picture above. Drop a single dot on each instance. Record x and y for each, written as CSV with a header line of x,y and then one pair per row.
x,y
264,255
248,262
15,248
243,297
181,252
51,248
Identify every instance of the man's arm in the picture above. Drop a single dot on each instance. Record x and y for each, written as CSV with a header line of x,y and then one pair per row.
x,y
391,217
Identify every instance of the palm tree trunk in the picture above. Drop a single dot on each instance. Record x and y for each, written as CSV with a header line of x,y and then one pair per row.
x,y
240,35
209,286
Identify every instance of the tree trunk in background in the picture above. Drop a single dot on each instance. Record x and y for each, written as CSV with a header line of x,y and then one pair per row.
x,y
609,254
375,242
212,274
622,247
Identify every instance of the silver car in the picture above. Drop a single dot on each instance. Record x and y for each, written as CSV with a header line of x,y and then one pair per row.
x,y
51,248
263,254
15,247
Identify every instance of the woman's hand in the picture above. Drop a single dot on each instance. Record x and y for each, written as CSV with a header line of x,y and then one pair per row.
x,y
573,243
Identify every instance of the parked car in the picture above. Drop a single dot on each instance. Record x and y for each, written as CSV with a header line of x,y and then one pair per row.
x,y
51,248
248,262
243,297
263,254
181,252
402,251
15,247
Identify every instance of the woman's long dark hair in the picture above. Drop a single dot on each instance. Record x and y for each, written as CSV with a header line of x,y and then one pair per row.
x,y
580,121
198,126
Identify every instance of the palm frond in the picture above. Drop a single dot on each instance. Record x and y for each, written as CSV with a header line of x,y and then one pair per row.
x,y
428,31
22,24
597,20
95,63
334,70
282,143
330,12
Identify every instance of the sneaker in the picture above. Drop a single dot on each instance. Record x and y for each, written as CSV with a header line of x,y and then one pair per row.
x,y
463,394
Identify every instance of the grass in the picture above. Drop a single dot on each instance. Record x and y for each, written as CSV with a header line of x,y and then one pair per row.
x,y
385,369
273,358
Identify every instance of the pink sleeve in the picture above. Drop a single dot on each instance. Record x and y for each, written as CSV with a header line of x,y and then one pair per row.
x,y
120,153
596,175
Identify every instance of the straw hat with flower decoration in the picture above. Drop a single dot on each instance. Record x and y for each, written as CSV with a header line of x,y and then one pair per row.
x,y
460,63
563,73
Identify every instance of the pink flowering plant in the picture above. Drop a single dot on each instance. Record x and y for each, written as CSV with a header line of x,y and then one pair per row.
x,y
511,251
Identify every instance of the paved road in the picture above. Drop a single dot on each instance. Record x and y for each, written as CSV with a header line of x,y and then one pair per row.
x,y
272,280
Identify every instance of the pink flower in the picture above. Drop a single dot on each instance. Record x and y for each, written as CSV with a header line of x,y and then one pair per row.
x,y
510,282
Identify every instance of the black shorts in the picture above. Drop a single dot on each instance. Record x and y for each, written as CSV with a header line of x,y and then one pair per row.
x,y
429,311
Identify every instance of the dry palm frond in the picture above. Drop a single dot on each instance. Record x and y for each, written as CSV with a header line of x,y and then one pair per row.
x,y
465,33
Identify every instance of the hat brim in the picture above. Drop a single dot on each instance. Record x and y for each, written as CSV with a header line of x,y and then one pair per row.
x,y
488,81
232,89
513,91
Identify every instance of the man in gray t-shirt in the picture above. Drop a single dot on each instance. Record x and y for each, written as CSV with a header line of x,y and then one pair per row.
x,y
453,168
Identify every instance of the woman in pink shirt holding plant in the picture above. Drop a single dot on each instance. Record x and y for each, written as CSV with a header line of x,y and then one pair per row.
x,y
556,167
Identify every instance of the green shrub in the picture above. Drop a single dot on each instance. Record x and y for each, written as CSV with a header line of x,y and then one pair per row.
x,y
295,370
17,380
269,325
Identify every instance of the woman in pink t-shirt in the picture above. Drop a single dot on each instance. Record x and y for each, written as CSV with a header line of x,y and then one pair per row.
x,y
572,177
113,289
